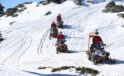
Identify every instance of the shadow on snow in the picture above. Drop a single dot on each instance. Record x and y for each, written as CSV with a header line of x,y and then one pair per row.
x,y
68,27
68,37
39,74
119,62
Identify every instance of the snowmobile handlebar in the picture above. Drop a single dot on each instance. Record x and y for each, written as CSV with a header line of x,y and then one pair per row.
x,y
104,44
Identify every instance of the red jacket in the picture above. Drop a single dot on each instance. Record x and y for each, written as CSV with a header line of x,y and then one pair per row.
x,y
60,36
97,40
59,18
53,25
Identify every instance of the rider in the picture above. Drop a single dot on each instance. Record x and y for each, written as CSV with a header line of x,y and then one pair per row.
x,y
53,25
59,21
59,18
60,38
97,41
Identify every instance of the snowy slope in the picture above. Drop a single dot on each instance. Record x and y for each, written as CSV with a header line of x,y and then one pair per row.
x,y
27,45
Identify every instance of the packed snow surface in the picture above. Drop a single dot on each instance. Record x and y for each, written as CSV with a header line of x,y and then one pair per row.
x,y
27,45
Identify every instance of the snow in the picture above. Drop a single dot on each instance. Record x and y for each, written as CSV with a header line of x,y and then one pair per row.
x,y
27,45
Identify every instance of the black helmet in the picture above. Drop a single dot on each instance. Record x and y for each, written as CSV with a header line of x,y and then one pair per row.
x,y
97,32
60,32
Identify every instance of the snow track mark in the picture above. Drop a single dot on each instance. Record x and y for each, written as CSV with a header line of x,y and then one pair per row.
x,y
18,53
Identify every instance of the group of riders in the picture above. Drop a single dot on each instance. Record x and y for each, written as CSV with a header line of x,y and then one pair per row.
x,y
60,43
54,30
96,52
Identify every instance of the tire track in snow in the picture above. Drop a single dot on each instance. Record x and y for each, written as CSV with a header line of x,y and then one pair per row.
x,y
96,9
85,40
41,44
23,31
22,44
17,54
107,33
6,71
45,48
15,39
77,25
10,56
75,16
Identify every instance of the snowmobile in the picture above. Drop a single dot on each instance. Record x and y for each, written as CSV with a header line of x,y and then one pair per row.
x,y
103,57
53,33
61,48
60,24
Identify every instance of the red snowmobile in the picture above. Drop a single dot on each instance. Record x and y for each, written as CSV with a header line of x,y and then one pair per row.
x,y
98,56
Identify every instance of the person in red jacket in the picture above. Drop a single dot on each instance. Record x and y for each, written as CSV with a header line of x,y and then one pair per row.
x,y
53,25
53,30
97,41
59,21
59,18
60,38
